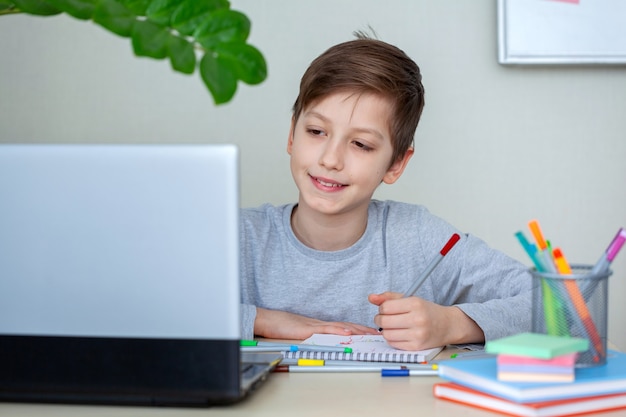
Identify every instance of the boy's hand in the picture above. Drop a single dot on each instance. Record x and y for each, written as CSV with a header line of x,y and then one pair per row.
x,y
275,324
413,323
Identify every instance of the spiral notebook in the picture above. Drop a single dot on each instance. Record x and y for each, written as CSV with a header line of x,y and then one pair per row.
x,y
371,348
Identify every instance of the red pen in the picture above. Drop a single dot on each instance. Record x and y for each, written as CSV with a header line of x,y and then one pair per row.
x,y
433,264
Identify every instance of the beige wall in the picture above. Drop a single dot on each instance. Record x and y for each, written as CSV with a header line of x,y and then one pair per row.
x,y
497,146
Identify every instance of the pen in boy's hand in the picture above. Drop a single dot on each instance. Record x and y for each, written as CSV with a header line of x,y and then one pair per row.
x,y
433,264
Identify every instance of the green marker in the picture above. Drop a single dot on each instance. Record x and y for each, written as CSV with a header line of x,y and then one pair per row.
x,y
258,346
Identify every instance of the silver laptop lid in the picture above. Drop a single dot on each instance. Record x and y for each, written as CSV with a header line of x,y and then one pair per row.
x,y
119,241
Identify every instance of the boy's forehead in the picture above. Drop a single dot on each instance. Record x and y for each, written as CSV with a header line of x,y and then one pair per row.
x,y
348,95
351,99
364,111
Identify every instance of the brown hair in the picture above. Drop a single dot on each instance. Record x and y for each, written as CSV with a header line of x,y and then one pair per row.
x,y
367,65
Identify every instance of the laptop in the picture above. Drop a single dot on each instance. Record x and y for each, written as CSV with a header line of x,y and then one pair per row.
x,y
119,276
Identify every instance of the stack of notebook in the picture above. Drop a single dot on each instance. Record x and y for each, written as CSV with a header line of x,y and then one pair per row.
x,y
528,368
535,357
480,383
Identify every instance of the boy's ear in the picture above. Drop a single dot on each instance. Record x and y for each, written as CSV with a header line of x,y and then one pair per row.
x,y
397,168
290,138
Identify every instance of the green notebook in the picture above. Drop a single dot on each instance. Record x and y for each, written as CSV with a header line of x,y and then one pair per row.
x,y
537,345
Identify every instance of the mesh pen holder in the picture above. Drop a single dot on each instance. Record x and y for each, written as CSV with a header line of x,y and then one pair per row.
x,y
573,305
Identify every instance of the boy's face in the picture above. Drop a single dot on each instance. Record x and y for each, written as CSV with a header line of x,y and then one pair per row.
x,y
340,151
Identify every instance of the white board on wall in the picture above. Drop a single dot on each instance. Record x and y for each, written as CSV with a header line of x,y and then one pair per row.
x,y
562,31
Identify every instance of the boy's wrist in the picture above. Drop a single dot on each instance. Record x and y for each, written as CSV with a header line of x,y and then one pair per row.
x,y
260,321
463,328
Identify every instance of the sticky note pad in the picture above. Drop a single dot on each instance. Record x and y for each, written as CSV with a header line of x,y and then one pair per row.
x,y
562,361
537,345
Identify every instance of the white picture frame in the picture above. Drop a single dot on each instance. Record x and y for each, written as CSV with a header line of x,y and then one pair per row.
x,y
562,32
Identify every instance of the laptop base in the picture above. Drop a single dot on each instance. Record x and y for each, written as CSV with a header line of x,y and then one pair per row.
x,y
105,370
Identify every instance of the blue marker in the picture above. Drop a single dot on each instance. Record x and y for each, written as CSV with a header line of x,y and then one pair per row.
x,y
531,250
410,372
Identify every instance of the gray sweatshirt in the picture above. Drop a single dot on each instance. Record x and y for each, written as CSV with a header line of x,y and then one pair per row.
x,y
278,272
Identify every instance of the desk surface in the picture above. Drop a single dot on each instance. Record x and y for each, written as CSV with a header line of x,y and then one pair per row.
x,y
297,395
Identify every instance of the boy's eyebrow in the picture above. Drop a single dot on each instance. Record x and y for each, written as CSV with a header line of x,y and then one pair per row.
x,y
373,132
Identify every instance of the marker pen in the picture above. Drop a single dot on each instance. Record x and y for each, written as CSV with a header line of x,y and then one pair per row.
x,y
611,252
431,266
409,372
260,346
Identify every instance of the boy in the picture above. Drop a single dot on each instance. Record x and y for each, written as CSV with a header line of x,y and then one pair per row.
x,y
338,261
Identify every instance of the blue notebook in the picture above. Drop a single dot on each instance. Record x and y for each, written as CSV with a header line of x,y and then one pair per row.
x,y
481,374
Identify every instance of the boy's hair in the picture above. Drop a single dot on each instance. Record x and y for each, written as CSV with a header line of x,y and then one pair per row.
x,y
367,65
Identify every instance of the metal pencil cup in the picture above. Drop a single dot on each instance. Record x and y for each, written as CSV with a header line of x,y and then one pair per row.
x,y
573,305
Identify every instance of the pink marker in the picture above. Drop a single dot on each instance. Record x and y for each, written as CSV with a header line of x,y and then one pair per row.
x,y
611,252
433,264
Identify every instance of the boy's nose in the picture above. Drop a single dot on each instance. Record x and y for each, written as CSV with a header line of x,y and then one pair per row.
x,y
332,155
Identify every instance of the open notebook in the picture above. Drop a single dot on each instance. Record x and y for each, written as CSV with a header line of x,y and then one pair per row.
x,y
372,348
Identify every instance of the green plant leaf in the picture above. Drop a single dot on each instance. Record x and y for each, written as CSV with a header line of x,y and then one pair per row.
x,y
7,7
219,77
138,7
222,26
80,9
159,11
37,7
175,29
114,16
245,59
191,13
149,39
182,55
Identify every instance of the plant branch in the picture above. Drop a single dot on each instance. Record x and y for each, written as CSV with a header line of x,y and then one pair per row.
x,y
206,35
10,10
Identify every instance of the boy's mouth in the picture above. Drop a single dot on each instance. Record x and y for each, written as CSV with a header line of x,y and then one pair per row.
x,y
327,182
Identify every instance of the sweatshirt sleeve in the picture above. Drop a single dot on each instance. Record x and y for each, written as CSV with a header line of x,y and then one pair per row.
x,y
493,289
490,287
248,315
255,230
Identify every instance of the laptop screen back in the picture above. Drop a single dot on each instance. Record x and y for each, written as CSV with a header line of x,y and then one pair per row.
x,y
131,244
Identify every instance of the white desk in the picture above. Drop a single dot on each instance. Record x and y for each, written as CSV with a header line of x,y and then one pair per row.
x,y
297,395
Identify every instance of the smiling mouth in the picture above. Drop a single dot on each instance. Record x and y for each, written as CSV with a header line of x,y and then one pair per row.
x,y
328,184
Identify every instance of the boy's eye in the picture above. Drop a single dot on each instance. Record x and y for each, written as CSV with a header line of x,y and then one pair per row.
x,y
362,146
315,132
